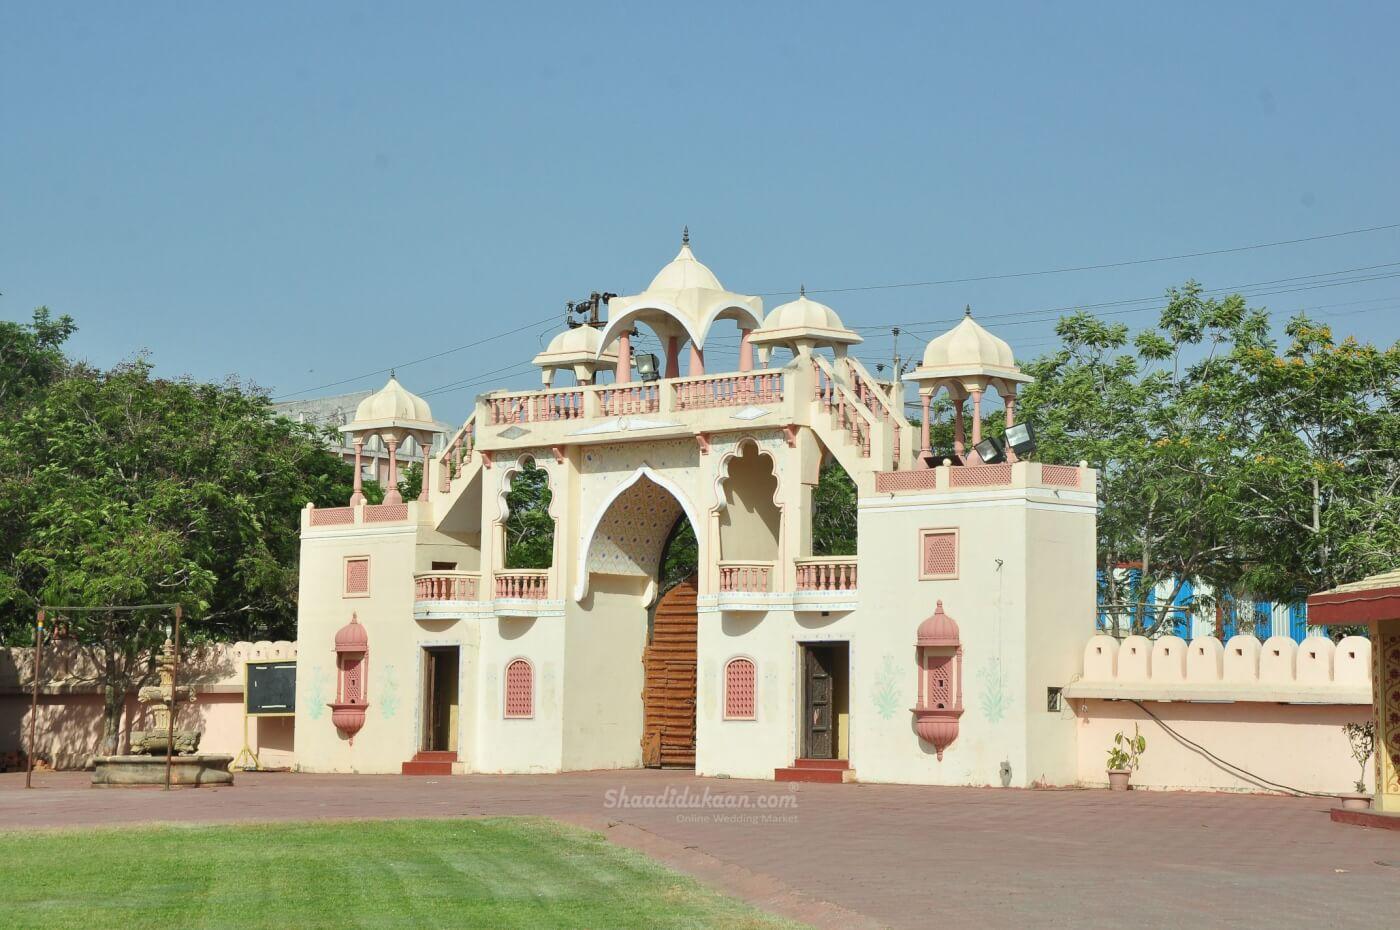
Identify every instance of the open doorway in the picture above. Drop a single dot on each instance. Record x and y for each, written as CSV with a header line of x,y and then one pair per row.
x,y
826,710
441,665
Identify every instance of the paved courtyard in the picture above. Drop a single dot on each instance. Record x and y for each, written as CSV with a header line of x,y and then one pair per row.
x,y
869,855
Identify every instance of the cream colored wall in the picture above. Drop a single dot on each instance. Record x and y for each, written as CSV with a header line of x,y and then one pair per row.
x,y
1298,745
605,636
1060,549
520,745
390,734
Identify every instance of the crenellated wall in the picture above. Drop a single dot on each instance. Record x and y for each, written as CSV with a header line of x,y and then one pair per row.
x,y
1275,708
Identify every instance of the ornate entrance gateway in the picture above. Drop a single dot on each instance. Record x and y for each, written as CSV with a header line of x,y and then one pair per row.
x,y
668,698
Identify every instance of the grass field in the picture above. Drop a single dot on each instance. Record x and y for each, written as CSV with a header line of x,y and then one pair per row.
x,y
517,872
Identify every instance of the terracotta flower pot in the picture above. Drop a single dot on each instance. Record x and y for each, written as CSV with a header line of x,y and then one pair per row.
x,y
1118,779
1355,802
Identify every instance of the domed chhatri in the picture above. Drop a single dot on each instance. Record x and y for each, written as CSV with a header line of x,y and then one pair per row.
x,y
802,325
576,349
393,403
392,413
968,349
966,361
352,637
682,303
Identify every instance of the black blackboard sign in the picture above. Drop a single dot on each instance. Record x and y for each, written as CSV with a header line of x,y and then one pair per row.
x,y
271,689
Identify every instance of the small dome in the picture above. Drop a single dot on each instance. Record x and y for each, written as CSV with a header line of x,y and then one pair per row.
x,y
578,339
803,318
939,630
967,345
393,402
803,312
352,637
685,271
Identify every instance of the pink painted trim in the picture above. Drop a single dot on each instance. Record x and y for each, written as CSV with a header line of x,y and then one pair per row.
x,y
348,576
518,690
740,689
942,534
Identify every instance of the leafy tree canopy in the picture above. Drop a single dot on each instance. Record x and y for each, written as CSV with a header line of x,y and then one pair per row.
x,y
1260,471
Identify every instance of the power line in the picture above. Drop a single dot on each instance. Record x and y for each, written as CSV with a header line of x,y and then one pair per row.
x,y
427,358
1097,267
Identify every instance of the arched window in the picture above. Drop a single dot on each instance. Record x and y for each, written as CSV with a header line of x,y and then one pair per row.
x,y
738,689
520,689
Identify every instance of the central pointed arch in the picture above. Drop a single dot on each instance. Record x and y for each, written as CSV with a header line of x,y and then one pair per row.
x,y
643,472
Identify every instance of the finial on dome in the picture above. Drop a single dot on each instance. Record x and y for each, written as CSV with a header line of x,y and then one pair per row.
x,y
967,310
685,235
393,374
801,290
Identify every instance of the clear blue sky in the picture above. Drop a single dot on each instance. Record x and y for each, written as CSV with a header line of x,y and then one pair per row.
x,y
303,195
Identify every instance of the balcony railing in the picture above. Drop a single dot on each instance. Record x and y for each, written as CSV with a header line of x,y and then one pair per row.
x,y
629,398
523,584
446,586
537,407
827,573
757,387
745,577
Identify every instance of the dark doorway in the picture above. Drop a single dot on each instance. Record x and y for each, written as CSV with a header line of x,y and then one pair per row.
x,y
668,696
825,707
440,708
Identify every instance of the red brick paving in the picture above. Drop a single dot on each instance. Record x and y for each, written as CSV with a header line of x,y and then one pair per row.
x,y
900,855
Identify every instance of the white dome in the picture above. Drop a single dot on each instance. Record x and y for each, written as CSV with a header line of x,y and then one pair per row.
x,y
578,339
394,402
685,271
968,345
803,319
802,312
684,299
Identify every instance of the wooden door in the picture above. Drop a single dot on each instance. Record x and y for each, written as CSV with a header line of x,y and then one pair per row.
x,y
668,696
818,742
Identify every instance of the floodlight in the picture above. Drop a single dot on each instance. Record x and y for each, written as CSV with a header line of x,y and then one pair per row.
x,y
646,367
990,451
1021,439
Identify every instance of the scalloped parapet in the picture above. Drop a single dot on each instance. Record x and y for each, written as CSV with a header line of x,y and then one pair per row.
x,y
1243,669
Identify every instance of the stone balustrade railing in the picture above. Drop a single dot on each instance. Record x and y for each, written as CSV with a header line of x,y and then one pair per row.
x,y
350,516
456,454
1242,669
745,576
624,399
826,573
729,390
523,584
446,586
1002,475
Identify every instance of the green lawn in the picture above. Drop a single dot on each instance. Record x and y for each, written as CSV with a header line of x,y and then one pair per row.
x,y
516,872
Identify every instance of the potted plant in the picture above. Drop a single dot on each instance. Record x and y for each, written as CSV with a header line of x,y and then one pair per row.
x,y
1124,757
1362,737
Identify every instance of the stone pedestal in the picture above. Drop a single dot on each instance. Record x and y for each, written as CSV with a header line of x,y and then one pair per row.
x,y
207,768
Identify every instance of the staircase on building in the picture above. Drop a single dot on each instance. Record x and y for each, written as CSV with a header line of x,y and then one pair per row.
x,y
829,771
428,762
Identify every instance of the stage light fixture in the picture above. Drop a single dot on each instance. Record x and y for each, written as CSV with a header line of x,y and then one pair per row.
x,y
990,451
1021,439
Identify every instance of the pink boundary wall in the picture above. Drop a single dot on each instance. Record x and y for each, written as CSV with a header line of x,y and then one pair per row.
x,y
1274,708
70,709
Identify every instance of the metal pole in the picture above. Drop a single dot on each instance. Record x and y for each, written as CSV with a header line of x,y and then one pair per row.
x,y
34,701
174,702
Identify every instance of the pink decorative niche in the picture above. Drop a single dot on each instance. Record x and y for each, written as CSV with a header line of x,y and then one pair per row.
x,y
352,663
938,651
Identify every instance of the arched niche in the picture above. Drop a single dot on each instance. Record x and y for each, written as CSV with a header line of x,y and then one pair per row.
x,y
750,516
628,533
525,462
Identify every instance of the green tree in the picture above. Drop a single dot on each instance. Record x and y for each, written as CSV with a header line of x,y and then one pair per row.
x,y
119,488
1212,450
834,511
529,526
31,356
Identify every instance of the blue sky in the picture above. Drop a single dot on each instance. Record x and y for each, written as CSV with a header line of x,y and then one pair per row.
x,y
304,193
